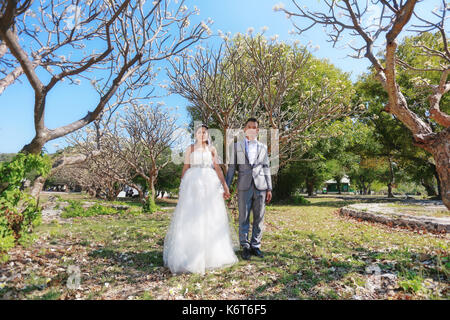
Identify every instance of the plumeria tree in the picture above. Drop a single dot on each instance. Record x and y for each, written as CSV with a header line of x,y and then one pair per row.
x,y
216,85
149,132
355,19
113,44
95,178
297,92
133,143
250,75
101,171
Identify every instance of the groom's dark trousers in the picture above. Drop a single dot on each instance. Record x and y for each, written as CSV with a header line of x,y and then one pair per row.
x,y
253,201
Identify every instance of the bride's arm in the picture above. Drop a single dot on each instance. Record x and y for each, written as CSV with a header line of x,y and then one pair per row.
x,y
218,169
187,162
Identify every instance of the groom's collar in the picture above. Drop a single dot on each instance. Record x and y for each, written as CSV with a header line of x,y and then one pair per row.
x,y
253,141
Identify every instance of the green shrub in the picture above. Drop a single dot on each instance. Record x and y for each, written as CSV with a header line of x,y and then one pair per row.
x,y
75,209
98,209
411,282
300,200
150,206
19,212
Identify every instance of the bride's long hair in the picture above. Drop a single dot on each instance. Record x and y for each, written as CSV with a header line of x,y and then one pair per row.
x,y
208,141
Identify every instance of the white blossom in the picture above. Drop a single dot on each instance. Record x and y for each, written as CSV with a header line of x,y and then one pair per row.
x,y
278,7
206,28
30,13
186,23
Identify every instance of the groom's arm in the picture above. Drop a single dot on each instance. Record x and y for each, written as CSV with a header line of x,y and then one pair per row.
x,y
266,168
231,166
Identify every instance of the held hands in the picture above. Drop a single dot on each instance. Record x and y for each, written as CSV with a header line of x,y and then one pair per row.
x,y
226,192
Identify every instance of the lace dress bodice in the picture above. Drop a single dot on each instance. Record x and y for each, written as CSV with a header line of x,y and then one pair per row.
x,y
201,159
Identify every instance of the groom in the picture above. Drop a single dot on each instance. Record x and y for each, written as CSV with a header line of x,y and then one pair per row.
x,y
250,158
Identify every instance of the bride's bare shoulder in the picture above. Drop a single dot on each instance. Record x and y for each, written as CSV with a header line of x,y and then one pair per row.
x,y
212,149
187,153
189,149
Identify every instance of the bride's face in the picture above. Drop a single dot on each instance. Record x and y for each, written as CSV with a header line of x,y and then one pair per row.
x,y
201,134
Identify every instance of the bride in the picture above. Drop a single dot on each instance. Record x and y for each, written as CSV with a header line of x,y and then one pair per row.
x,y
199,237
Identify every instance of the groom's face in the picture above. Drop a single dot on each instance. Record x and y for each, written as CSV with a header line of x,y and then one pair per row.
x,y
251,130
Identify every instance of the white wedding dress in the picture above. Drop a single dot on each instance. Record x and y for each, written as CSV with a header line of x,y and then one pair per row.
x,y
200,236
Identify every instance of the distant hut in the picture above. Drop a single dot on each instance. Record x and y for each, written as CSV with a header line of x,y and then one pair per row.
x,y
332,186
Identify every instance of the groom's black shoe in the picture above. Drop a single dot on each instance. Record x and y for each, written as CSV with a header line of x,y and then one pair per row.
x,y
257,252
246,253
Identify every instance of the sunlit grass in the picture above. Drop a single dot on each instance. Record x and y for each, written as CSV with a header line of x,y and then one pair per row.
x,y
310,253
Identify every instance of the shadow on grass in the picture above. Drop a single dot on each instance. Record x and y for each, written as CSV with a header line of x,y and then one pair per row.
x,y
142,261
166,203
340,202
324,203
285,264
333,204
303,272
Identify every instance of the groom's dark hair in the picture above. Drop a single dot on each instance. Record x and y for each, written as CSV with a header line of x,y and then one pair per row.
x,y
251,120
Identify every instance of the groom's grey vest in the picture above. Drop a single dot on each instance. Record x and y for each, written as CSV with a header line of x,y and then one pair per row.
x,y
259,172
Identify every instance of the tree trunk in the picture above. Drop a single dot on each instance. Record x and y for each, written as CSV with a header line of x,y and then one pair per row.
x,y
141,195
441,154
151,184
365,190
391,180
429,188
390,195
37,186
310,187
35,146
439,193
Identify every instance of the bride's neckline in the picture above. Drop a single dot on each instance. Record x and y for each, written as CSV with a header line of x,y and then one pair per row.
x,y
205,150
201,149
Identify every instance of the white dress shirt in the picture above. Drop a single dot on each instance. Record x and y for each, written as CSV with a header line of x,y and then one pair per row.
x,y
252,149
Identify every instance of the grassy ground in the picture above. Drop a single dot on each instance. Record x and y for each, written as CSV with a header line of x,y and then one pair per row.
x,y
310,253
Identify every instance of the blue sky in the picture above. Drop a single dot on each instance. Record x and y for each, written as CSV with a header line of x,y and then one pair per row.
x,y
69,103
